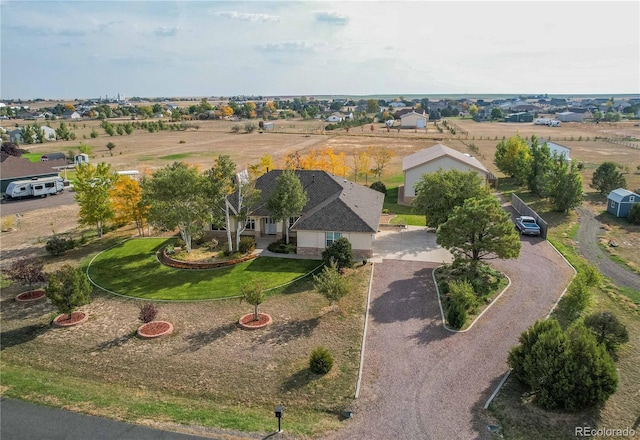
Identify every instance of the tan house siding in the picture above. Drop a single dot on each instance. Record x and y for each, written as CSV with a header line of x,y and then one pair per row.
x,y
413,175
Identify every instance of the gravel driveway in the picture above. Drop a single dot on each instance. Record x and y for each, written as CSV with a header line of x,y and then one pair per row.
x,y
423,382
587,240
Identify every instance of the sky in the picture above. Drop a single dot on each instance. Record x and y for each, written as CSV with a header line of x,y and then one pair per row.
x,y
90,49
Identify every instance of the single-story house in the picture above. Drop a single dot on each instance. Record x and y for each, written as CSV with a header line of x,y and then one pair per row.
x,y
71,115
619,202
431,160
16,168
570,117
336,208
15,136
558,149
335,117
414,119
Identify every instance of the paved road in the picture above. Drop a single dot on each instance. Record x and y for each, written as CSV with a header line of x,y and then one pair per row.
x,y
587,239
26,421
421,381
12,207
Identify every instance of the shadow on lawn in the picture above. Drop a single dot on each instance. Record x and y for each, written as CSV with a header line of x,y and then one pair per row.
x,y
298,380
282,333
21,335
116,342
198,340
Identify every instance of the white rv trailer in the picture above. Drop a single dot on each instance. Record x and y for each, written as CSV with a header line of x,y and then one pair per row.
x,y
36,187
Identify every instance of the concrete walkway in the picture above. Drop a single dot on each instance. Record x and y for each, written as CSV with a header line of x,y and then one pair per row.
x,y
413,243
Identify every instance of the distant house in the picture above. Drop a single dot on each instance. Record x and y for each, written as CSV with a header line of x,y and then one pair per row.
x,y
336,208
335,117
414,119
15,136
71,115
438,157
14,168
619,202
53,156
570,117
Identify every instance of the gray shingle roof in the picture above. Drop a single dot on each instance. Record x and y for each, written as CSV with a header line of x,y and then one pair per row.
x,y
12,167
437,151
335,204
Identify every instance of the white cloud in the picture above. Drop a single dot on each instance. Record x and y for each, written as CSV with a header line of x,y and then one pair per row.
x,y
244,16
332,18
166,31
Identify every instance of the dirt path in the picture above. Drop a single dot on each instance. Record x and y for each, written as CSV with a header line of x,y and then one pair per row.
x,y
587,240
421,381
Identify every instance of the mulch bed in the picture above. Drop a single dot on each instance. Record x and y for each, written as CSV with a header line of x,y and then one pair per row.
x,y
249,323
31,295
67,320
155,329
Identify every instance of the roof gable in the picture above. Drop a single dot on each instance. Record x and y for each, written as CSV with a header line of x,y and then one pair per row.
x,y
12,167
618,195
437,151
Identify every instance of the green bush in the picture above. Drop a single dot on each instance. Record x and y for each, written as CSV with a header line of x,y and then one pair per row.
x,y
57,245
340,252
456,315
379,186
569,371
634,214
320,361
247,244
461,292
279,247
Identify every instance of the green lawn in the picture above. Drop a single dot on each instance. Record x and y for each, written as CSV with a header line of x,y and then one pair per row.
x,y
32,157
404,214
131,268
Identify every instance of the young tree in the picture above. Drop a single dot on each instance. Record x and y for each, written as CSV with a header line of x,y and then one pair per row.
x,y
111,146
126,199
473,110
27,271
178,198
607,329
288,199
606,178
63,132
496,113
381,157
564,184
479,230
437,194
539,166
244,201
220,183
331,284
339,253
253,293
92,194
68,288
512,158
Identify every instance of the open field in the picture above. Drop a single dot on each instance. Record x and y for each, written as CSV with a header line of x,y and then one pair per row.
x,y
224,376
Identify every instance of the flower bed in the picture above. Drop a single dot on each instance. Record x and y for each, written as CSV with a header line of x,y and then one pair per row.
x,y
31,295
248,322
180,264
67,320
155,329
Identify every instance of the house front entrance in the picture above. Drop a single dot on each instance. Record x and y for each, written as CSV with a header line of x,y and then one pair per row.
x,y
270,226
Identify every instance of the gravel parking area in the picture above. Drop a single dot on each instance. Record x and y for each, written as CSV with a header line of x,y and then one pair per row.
x,y
421,381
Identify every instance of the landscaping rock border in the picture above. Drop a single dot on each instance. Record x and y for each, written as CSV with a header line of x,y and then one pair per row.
x,y
195,265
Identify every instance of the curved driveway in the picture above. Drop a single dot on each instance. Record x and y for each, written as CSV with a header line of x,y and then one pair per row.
x,y
421,381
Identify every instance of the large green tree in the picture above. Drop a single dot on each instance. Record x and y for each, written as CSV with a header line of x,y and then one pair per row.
x,y
287,200
92,187
479,230
512,158
606,178
438,193
331,284
178,198
564,184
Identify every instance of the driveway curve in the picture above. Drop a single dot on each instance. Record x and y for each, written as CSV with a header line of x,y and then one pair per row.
x,y
422,381
587,240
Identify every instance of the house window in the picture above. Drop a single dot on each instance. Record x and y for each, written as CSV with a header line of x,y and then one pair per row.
x,y
331,237
632,199
613,204
250,225
292,220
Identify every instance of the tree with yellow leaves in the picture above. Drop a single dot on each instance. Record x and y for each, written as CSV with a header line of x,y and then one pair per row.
x,y
262,167
126,199
381,157
361,164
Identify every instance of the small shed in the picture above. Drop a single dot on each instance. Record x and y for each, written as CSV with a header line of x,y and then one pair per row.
x,y
619,202
80,159
52,156
414,119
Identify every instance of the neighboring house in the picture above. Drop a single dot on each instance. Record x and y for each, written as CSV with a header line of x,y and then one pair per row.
x,y
335,117
556,148
71,115
336,208
414,119
15,136
619,202
438,157
52,156
16,168
570,117
519,117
